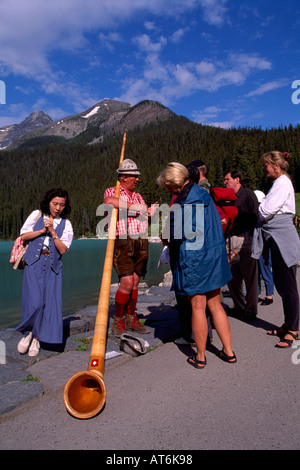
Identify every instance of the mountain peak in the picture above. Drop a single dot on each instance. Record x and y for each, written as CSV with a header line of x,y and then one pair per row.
x,y
39,116
34,121
90,126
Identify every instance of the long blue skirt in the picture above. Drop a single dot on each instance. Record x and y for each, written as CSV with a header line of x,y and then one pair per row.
x,y
42,302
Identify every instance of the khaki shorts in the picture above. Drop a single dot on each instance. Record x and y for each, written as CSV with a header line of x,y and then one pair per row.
x,y
131,256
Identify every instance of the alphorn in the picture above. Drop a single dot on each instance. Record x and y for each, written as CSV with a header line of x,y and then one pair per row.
x,y
85,392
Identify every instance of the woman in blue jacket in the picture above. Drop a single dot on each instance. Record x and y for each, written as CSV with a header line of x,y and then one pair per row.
x,y
49,235
198,258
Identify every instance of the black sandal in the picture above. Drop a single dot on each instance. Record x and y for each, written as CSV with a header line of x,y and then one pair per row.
x,y
280,331
225,358
193,361
287,341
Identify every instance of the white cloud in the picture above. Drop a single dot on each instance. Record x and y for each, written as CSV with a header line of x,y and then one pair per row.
x,y
38,27
14,114
222,124
145,44
31,31
173,81
110,40
270,86
205,68
210,116
150,25
207,114
214,11
210,112
155,70
177,35
248,62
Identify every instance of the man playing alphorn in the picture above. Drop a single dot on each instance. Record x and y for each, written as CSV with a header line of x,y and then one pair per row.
x,y
131,247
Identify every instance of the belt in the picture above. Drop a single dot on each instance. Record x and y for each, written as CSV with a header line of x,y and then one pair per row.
x,y
47,253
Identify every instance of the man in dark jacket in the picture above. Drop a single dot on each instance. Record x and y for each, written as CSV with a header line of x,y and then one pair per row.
x,y
246,268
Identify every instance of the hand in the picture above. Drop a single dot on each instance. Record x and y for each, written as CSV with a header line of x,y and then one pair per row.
x,y
134,208
152,209
48,223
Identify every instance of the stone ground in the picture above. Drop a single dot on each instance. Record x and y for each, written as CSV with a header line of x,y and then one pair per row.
x,y
157,402
20,376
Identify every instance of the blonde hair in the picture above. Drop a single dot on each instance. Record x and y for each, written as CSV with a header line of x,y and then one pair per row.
x,y
173,176
275,157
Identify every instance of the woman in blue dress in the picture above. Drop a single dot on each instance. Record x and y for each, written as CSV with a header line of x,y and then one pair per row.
x,y
198,258
49,235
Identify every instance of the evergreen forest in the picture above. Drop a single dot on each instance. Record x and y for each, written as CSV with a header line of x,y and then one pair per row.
x,y
85,171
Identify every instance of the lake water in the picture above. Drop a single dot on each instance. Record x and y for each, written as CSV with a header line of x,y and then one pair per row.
x,y
82,275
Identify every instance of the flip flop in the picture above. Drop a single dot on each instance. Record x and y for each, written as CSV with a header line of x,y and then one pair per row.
x,y
225,358
193,361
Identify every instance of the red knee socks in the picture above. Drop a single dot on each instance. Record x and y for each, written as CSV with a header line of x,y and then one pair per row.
x,y
132,302
121,300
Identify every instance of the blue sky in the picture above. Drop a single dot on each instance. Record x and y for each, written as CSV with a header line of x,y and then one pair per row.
x,y
225,63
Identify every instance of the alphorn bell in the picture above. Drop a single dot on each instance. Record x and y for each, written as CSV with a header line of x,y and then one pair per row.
x,y
85,392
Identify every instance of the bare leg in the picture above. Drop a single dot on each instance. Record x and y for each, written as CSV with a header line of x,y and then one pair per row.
x,y
199,324
220,320
128,283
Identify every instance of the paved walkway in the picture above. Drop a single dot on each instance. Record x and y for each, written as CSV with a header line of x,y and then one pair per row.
x,y
157,401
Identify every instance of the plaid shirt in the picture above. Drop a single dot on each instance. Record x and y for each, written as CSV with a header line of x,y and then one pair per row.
x,y
136,225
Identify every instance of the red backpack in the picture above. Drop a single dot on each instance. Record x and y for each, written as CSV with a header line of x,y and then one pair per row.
x,y
224,199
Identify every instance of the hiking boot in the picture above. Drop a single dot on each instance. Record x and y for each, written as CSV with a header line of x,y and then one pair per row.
x,y
132,323
118,326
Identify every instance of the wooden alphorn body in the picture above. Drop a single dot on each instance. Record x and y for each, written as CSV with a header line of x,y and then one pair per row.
x,y
85,392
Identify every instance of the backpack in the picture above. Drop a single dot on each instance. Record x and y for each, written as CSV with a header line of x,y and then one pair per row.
x,y
224,199
18,251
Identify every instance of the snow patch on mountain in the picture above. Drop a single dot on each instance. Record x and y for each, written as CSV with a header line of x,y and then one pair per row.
x,y
91,113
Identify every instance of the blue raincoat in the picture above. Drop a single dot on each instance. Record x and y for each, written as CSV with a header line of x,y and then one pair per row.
x,y
197,246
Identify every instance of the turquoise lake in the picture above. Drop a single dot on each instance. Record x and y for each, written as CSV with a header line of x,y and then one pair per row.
x,y
82,275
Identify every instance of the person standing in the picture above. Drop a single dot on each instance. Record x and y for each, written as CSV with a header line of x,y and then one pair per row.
x,y
265,268
131,247
49,235
197,173
246,268
203,181
199,263
277,231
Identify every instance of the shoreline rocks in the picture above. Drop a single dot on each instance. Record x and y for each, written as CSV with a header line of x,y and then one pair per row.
x,y
23,378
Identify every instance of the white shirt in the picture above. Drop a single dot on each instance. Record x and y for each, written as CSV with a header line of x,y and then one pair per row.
x,y
279,200
67,235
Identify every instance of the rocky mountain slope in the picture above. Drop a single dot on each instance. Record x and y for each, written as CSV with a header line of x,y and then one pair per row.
x,y
35,120
103,118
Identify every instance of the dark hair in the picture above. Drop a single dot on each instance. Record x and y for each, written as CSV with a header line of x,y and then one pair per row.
x,y
201,166
197,163
51,194
194,173
235,174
